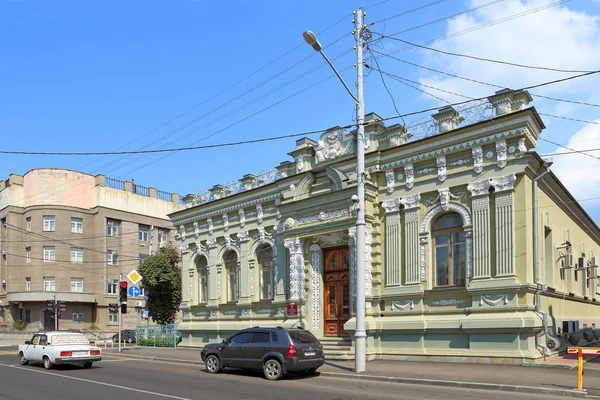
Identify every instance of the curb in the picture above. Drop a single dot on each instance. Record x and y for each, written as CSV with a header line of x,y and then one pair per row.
x,y
414,381
463,385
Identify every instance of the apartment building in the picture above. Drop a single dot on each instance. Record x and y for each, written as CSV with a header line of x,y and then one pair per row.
x,y
72,235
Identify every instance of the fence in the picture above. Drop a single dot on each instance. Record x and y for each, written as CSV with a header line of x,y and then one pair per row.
x,y
157,336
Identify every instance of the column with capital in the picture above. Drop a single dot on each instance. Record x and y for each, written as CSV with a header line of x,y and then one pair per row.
x,y
243,241
414,272
214,276
296,271
480,199
505,240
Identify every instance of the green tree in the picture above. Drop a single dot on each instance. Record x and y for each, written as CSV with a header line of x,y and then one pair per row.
x,y
161,276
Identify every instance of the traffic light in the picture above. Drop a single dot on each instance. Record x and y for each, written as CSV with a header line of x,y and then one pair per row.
x,y
50,305
123,296
61,306
113,307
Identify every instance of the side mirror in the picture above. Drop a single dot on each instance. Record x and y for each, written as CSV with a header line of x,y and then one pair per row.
x,y
27,342
225,341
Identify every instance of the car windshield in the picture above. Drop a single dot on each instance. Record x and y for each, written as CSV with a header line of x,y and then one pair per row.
x,y
302,337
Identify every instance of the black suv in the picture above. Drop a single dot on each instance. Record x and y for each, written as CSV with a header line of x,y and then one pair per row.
x,y
276,351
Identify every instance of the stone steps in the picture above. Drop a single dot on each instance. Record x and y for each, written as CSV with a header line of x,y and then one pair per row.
x,y
337,348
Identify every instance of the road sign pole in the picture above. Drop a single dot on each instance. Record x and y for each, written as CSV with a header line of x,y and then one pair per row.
x,y
55,313
120,279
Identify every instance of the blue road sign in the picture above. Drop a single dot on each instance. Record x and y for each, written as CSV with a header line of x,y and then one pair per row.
x,y
170,326
145,314
134,291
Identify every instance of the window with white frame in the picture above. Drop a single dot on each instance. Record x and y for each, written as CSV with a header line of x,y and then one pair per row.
x,y
28,254
449,251
267,272
113,317
76,225
49,223
28,224
76,255
49,284
78,316
202,268
49,253
111,257
143,233
162,237
28,284
77,285
112,228
113,284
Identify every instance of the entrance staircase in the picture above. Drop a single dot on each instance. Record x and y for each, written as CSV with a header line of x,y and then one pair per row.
x,y
337,348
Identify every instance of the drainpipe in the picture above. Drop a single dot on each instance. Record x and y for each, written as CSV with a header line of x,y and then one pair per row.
x,y
541,287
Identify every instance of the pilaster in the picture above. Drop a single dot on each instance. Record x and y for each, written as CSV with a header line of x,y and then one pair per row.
x,y
393,240
214,276
411,239
505,243
316,272
295,247
245,271
481,228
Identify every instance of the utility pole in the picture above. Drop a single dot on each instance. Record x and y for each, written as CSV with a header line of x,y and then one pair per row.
x,y
360,335
119,314
55,313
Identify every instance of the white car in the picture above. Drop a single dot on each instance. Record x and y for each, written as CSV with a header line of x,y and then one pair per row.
x,y
56,347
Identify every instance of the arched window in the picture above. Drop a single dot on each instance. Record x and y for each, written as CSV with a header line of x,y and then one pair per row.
x,y
266,261
233,276
450,255
202,268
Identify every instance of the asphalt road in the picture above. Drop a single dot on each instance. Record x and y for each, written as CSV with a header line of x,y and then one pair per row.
x,y
119,378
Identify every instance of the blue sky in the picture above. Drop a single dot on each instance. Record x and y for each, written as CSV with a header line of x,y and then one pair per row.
x,y
102,76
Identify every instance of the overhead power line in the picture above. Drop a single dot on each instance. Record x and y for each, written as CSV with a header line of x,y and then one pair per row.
x,y
584,103
484,59
407,12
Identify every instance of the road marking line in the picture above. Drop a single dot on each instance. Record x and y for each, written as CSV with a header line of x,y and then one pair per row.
x,y
97,383
6,353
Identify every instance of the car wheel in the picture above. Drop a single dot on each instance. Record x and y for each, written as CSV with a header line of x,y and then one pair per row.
x,y
88,364
213,364
47,362
22,359
272,370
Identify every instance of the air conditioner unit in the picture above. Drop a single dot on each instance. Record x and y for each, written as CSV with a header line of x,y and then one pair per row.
x,y
116,252
580,263
593,272
138,303
3,252
4,281
593,261
567,260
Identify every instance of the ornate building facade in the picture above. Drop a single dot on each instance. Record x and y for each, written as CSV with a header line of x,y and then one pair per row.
x,y
450,269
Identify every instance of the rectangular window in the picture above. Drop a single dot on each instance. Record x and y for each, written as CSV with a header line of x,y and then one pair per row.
x,y
162,238
27,316
232,284
76,255
49,253
28,224
76,225
28,284
111,257
113,317
49,284
77,285
143,233
112,286
112,228
78,316
143,257
49,223
28,254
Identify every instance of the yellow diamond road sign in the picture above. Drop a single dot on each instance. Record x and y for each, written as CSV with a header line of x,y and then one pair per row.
x,y
134,277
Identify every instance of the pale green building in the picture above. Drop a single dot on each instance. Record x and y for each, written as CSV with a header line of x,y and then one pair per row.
x,y
450,263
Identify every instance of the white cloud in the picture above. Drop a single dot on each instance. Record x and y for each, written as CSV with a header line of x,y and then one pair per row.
x,y
556,37
580,173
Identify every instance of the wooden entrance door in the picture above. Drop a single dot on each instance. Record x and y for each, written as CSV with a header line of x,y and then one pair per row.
x,y
337,290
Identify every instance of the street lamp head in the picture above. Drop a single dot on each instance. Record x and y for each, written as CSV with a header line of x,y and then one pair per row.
x,y
311,39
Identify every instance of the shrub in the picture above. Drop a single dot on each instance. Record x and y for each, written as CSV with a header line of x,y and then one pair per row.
x,y
19,325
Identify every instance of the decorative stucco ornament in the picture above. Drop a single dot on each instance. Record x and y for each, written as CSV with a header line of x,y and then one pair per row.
x,y
225,222
389,178
259,213
521,148
501,153
196,230
209,221
477,159
242,217
410,175
289,223
441,166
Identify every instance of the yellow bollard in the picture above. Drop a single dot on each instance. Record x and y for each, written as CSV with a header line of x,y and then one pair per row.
x,y
579,369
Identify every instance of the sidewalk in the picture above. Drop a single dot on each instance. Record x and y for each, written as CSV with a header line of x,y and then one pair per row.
x,y
555,381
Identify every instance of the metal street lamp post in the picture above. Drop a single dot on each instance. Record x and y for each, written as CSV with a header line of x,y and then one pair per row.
x,y
360,335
